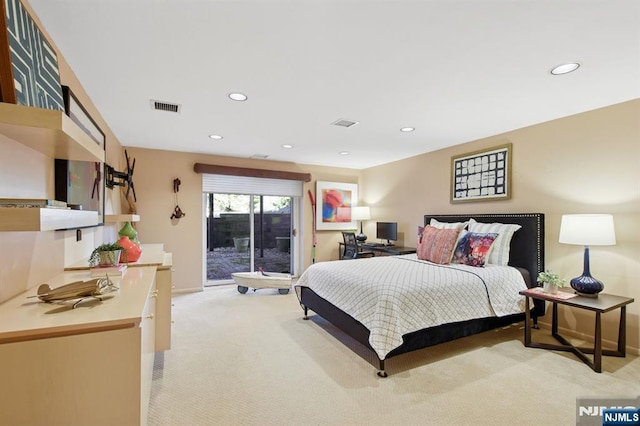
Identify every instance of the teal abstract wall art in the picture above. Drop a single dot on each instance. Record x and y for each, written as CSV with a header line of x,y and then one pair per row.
x,y
33,76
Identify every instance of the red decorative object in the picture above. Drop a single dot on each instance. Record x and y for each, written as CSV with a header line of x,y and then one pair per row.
x,y
131,252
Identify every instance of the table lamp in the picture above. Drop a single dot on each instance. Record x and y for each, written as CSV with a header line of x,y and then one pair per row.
x,y
587,230
360,213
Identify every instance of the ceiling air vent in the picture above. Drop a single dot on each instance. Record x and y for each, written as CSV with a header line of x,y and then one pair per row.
x,y
344,123
164,106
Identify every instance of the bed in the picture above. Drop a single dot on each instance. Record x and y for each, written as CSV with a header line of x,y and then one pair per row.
x,y
526,260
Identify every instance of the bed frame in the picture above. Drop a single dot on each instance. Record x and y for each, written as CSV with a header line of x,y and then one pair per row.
x,y
526,253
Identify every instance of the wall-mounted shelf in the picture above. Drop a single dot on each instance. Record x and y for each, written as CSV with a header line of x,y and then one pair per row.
x,y
113,218
44,219
48,131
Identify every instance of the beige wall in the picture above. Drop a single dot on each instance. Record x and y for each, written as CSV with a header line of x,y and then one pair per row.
x,y
587,163
154,175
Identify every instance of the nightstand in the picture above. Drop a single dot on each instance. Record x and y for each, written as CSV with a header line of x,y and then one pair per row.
x,y
599,305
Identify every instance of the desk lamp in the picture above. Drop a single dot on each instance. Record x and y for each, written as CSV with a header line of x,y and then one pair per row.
x,y
587,230
360,213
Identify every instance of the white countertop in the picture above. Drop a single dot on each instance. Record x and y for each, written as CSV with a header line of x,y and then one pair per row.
x,y
23,318
152,255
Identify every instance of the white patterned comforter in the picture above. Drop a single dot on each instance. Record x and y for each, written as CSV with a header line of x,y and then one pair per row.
x,y
396,295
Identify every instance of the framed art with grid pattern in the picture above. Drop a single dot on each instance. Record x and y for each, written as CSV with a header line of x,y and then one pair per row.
x,y
483,175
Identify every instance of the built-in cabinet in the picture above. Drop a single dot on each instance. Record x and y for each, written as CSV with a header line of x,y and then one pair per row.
x,y
88,365
164,284
44,219
92,364
115,218
50,132
55,135
152,255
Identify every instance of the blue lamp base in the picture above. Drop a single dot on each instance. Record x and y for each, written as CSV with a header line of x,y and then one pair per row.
x,y
361,237
586,285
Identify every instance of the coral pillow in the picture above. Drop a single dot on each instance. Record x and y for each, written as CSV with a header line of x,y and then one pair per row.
x,y
473,248
436,245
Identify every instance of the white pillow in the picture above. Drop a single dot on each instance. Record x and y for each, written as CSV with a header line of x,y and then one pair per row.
x,y
500,248
448,225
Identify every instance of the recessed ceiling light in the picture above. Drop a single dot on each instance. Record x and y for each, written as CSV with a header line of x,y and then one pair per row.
x,y
407,129
216,137
238,96
287,146
565,68
344,153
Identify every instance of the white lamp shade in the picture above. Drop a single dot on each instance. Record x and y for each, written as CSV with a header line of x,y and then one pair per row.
x,y
587,229
360,213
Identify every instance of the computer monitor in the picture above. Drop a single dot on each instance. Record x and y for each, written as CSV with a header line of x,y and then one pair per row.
x,y
387,231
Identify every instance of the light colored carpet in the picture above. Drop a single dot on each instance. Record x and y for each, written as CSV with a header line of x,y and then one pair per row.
x,y
252,360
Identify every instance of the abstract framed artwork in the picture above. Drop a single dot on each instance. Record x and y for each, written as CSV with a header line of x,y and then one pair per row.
x,y
334,201
483,175
29,73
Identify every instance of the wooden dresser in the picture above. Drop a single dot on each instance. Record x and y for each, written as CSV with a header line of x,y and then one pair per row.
x,y
152,255
88,365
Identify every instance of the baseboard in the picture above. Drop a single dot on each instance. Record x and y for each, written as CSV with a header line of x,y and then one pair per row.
x,y
186,290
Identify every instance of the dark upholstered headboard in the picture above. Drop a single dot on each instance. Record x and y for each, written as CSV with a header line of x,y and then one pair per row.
x,y
527,244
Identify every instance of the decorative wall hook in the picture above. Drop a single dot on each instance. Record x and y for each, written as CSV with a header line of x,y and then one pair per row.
x,y
177,211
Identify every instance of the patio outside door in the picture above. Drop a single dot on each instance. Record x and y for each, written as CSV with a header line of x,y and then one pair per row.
x,y
247,232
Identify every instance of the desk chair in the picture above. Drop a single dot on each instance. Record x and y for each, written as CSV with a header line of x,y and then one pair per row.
x,y
351,249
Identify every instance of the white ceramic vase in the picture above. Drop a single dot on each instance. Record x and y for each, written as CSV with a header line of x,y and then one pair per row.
x,y
549,288
110,258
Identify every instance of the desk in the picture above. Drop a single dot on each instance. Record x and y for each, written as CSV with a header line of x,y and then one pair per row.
x,y
601,304
379,250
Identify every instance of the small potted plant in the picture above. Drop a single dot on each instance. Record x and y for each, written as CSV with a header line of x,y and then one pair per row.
x,y
550,281
106,255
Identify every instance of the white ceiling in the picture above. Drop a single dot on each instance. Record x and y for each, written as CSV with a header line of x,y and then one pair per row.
x,y
455,70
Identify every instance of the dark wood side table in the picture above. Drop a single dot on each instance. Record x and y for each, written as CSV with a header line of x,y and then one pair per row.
x,y
601,304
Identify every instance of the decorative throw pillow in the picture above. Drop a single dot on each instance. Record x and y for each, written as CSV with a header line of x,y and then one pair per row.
x,y
448,225
436,245
419,247
473,248
500,251
420,235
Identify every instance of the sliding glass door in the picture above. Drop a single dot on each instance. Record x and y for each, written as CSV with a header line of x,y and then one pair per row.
x,y
245,233
272,234
250,223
